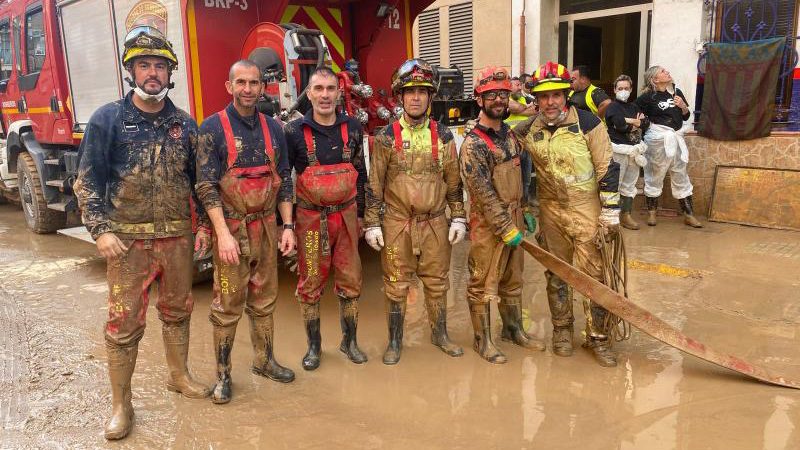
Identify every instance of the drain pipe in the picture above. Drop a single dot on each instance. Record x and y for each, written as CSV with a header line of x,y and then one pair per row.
x,y
522,40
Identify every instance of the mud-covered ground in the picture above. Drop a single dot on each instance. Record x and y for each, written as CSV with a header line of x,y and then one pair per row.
x,y
736,289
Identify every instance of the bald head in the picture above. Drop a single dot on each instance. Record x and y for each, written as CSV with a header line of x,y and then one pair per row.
x,y
242,65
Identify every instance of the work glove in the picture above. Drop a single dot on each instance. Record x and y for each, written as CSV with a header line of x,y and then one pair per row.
x,y
530,222
458,231
374,237
513,238
609,219
638,156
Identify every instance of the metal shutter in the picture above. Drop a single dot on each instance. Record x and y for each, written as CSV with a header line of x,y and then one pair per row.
x,y
461,42
429,36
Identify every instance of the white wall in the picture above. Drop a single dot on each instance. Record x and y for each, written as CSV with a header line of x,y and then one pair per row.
x,y
541,33
676,31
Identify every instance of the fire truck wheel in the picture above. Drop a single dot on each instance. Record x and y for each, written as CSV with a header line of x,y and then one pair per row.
x,y
39,218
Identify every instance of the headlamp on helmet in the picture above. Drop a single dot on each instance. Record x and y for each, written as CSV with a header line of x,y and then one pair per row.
x,y
492,78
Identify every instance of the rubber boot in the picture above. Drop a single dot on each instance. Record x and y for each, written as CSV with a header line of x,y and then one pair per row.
x,y
483,344
513,331
625,217
652,210
223,345
601,347
562,341
264,363
311,321
395,316
687,207
348,316
437,316
121,362
176,347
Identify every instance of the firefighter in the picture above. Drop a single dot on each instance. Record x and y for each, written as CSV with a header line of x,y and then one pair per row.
x,y
242,173
325,149
577,189
134,183
413,177
490,167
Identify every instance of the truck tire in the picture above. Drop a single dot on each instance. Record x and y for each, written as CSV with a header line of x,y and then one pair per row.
x,y
11,197
39,218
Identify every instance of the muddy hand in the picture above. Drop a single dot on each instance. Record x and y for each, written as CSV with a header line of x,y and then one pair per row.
x,y
228,249
109,245
374,237
288,242
202,243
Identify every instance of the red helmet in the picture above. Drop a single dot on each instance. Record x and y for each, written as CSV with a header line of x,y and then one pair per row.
x,y
492,78
550,77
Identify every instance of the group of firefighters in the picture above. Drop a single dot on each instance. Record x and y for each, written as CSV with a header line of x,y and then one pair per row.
x,y
143,158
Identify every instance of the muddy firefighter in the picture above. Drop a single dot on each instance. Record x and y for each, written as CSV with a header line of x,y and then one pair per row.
x,y
490,168
242,174
577,189
414,177
326,151
136,176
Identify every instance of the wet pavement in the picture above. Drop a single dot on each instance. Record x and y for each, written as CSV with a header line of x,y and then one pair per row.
x,y
737,289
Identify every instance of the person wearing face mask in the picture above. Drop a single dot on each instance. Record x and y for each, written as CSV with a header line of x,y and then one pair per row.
x,y
136,176
626,123
668,111
577,182
414,177
490,167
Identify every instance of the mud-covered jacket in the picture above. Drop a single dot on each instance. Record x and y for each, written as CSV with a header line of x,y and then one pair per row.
x,y
136,176
386,161
477,163
573,159
212,155
329,147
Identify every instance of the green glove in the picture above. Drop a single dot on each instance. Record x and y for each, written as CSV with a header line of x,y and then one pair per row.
x,y
513,238
530,221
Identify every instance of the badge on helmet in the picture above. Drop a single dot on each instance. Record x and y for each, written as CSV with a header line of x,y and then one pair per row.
x,y
413,72
492,78
549,77
148,41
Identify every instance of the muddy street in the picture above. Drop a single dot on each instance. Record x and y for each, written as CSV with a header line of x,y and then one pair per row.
x,y
733,288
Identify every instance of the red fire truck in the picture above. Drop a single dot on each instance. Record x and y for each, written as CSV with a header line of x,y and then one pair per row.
x,y
59,62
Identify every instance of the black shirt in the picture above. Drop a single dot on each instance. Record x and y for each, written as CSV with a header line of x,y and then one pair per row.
x,y
579,98
660,108
619,131
328,140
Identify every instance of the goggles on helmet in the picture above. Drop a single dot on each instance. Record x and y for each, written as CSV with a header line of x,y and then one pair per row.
x,y
498,75
145,37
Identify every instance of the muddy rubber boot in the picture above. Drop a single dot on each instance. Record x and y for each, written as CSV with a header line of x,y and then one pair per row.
x,y
176,348
311,321
687,206
348,316
513,330
601,347
223,345
483,344
652,210
562,341
625,217
121,362
395,316
264,363
437,316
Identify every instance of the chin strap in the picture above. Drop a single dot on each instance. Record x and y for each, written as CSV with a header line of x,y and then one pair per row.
x,y
561,116
155,98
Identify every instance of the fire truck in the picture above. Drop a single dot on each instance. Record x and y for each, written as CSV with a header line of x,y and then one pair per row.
x,y
59,62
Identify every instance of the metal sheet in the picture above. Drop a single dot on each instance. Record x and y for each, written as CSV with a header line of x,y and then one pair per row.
x,y
756,196
79,233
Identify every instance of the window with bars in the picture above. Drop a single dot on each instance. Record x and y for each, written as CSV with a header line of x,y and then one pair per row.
x,y
460,26
734,21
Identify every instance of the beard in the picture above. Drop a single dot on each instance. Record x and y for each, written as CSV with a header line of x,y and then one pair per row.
x,y
490,113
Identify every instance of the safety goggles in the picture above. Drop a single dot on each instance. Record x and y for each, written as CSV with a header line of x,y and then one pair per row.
x,y
145,37
492,95
415,69
497,76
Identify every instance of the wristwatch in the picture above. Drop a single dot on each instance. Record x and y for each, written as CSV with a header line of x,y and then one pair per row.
x,y
288,226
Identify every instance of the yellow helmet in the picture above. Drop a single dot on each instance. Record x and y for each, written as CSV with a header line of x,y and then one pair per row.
x,y
413,72
549,77
148,41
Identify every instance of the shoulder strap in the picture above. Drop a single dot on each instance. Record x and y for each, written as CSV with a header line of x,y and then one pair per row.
x,y
434,141
267,139
397,130
485,137
230,142
311,149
